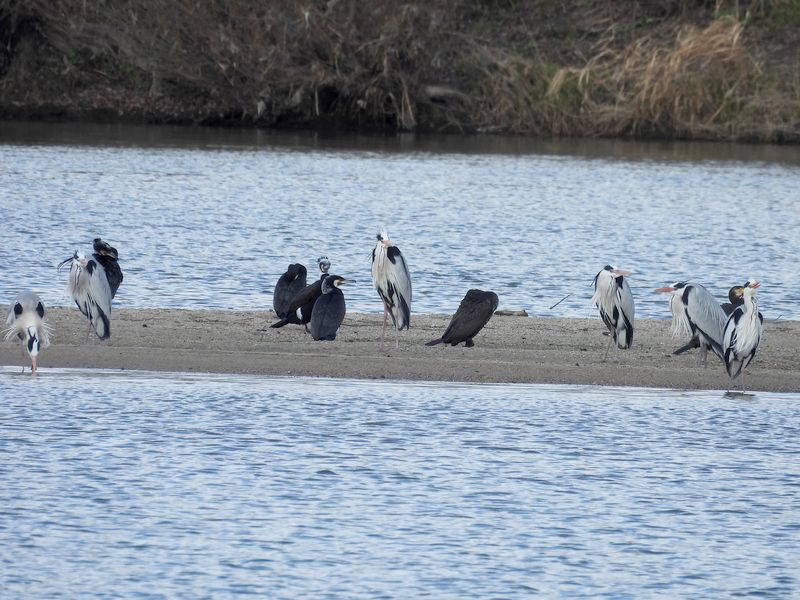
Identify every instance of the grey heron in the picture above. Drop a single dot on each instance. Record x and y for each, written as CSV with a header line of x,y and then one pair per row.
x,y
473,313
727,308
288,286
393,283
614,299
695,311
93,282
742,333
329,309
26,320
324,265
107,256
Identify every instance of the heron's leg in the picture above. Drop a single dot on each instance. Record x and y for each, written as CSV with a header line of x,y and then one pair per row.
x,y
33,365
396,338
610,339
385,316
704,355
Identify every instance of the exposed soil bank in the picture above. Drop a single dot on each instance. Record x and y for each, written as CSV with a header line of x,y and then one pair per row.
x,y
673,69
509,349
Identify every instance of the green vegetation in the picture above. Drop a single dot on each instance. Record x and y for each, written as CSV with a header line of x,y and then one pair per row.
x,y
692,69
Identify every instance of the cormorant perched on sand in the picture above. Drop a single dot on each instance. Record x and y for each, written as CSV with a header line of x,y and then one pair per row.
x,y
473,313
288,286
303,301
329,309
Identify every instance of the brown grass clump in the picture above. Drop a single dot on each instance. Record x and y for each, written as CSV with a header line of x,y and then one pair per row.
x,y
694,88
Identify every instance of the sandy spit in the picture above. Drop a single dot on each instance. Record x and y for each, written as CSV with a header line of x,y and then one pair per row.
x,y
509,349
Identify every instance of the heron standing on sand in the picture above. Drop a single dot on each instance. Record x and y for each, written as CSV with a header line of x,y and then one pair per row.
x,y
614,299
93,282
26,320
742,333
393,283
696,312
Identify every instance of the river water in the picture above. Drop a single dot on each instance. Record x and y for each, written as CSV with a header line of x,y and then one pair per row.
x,y
143,485
207,218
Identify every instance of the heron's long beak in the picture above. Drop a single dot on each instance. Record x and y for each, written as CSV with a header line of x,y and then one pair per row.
x,y
69,260
620,272
665,289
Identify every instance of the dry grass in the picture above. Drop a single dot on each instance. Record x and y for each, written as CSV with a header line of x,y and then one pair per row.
x,y
395,64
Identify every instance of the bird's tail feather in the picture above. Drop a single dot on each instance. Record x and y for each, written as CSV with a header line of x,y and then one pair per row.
x,y
434,342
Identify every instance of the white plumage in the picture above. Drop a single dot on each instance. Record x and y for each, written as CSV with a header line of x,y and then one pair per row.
x,y
614,299
742,333
393,283
88,286
26,320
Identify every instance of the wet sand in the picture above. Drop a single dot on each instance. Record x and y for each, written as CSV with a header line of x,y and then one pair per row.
x,y
509,349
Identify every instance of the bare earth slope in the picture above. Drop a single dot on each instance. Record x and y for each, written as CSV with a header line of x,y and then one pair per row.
x,y
509,349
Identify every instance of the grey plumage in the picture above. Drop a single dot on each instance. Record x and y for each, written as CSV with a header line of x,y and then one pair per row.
x,y
27,321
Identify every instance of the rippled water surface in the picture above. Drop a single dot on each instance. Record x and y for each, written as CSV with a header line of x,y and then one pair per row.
x,y
211,218
137,485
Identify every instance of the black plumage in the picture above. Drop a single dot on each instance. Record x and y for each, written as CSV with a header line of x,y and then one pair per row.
x,y
329,310
473,313
107,256
292,282
303,301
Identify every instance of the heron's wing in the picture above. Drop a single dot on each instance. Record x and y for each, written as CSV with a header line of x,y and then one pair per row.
x,y
470,318
93,294
706,314
398,287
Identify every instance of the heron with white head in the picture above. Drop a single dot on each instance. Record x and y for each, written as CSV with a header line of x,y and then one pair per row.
x,y
393,283
727,307
614,299
93,282
742,333
26,320
324,265
695,311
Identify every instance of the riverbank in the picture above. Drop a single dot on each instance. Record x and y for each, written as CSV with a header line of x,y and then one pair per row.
x,y
510,349
666,69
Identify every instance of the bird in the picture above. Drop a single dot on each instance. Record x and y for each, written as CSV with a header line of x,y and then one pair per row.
x,y
107,256
694,310
93,282
289,284
26,320
727,308
324,266
473,313
299,310
329,309
614,299
393,283
742,333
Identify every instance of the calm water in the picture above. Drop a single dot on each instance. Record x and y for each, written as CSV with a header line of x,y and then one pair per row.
x,y
139,485
211,218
